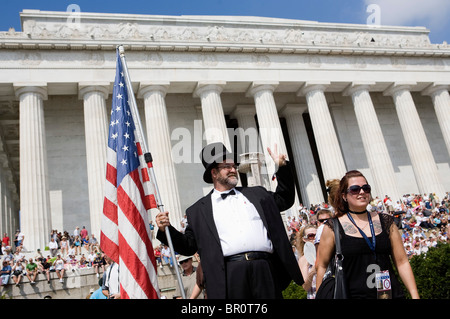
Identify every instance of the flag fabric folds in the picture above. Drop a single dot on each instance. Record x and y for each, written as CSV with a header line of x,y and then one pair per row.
x,y
129,193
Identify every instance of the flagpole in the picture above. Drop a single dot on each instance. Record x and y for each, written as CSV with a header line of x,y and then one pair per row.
x,y
147,156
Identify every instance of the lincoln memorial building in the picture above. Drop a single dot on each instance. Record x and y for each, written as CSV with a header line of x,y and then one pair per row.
x,y
334,97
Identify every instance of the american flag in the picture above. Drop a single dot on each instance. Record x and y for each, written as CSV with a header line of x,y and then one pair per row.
x,y
129,193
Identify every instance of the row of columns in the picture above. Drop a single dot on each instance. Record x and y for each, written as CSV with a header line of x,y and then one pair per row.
x,y
34,194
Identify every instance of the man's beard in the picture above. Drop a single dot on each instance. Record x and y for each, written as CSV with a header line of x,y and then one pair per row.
x,y
230,180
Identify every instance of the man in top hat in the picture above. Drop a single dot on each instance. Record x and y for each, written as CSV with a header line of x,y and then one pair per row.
x,y
238,231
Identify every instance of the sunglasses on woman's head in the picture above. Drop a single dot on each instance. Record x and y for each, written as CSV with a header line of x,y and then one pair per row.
x,y
356,189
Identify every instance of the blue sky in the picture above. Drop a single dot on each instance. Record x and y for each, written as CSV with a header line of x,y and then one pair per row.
x,y
432,14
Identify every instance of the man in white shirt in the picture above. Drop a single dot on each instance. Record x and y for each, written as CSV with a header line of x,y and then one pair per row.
x,y
238,231
53,246
111,283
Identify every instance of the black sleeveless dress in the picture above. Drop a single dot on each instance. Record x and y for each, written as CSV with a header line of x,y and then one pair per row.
x,y
360,263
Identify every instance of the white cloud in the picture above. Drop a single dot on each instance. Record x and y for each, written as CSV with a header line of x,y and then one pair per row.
x,y
428,13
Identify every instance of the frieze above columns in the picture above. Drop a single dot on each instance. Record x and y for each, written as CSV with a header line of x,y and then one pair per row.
x,y
96,31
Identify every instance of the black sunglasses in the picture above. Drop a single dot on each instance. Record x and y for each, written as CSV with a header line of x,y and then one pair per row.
x,y
356,189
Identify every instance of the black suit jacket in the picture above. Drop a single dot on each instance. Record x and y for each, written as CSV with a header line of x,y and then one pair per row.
x,y
201,234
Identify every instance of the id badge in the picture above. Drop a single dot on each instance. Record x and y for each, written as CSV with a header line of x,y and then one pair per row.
x,y
383,282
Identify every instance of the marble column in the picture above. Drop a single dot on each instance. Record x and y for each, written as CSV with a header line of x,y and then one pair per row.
x,y
307,175
96,131
424,166
330,155
34,188
213,116
268,121
270,130
441,101
159,145
245,115
373,141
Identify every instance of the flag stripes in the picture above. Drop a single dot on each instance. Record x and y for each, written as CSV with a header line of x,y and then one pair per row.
x,y
129,194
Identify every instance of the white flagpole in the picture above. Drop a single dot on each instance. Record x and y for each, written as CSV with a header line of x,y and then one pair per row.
x,y
148,157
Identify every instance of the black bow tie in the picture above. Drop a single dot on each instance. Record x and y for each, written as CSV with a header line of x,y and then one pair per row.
x,y
224,195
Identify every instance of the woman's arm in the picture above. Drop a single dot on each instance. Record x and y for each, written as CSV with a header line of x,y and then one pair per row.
x,y
402,263
324,254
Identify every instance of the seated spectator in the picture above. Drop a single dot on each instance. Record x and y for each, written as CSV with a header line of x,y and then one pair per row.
x,y
59,267
83,262
17,272
44,267
85,243
71,250
5,273
53,246
98,263
71,263
91,257
77,243
32,271
93,243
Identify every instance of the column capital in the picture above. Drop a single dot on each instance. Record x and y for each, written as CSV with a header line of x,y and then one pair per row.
x,y
32,87
87,87
436,87
398,86
148,87
243,109
205,86
312,86
357,86
291,109
258,86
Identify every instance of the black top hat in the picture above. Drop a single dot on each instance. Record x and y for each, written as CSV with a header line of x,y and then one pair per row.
x,y
211,155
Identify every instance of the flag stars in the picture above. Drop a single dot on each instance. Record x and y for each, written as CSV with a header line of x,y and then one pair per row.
x,y
123,162
126,135
125,148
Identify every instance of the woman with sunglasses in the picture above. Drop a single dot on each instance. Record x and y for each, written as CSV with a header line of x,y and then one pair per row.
x,y
368,240
305,235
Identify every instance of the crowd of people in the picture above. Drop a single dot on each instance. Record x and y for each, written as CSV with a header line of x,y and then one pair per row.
x,y
64,254
421,219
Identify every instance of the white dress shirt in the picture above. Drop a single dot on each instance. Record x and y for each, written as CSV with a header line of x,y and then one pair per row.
x,y
239,225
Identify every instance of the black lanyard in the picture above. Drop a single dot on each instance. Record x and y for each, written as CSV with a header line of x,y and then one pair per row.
x,y
372,243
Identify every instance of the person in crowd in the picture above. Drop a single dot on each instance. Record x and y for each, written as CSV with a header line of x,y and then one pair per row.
x,y
83,232
5,239
157,253
111,284
5,273
77,244
368,240
59,265
53,246
17,272
235,229
188,275
64,246
93,243
44,267
32,271
166,255
307,234
98,264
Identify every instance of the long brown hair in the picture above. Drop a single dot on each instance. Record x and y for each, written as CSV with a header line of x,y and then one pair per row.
x,y
336,188
299,243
